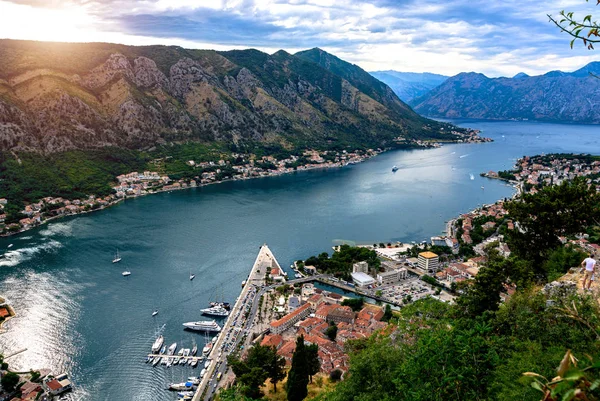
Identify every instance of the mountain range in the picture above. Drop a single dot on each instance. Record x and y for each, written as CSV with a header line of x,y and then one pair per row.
x,y
555,96
409,85
59,96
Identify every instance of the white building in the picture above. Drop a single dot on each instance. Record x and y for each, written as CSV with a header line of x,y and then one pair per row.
x,y
392,276
428,262
361,279
360,267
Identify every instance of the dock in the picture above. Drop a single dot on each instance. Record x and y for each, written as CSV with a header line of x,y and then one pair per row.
x,y
245,301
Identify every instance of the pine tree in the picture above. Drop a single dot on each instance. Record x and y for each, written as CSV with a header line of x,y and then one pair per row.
x,y
297,384
312,353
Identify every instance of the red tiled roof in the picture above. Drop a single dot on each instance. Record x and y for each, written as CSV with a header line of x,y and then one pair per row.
x,y
289,316
273,340
53,384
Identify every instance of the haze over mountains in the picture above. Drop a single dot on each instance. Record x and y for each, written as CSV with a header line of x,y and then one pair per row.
x,y
409,85
58,96
555,96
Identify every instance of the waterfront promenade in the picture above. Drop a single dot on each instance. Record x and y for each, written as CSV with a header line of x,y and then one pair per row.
x,y
237,324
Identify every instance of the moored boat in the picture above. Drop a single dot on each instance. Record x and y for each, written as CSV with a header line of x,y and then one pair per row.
x,y
172,349
158,343
203,325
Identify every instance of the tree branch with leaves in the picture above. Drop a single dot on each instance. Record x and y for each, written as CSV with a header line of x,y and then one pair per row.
x,y
586,30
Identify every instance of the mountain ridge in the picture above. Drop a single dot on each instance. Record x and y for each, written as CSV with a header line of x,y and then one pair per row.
x,y
61,96
555,96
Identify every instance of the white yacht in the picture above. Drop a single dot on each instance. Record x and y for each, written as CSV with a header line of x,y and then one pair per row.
x,y
203,325
157,344
215,311
117,257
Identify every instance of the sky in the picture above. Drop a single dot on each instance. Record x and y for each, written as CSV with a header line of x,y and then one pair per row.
x,y
494,37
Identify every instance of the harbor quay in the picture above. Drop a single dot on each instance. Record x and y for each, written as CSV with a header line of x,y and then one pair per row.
x,y
238,324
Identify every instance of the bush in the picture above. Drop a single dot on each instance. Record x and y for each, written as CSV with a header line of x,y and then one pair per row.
x,y
335,375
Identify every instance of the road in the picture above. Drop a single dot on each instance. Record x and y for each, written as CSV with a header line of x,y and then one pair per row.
x,y
237,325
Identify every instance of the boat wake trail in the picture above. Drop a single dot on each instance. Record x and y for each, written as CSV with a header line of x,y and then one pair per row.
x,y
16,256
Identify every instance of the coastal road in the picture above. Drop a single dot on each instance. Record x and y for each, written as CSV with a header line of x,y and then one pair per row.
x,y
246,301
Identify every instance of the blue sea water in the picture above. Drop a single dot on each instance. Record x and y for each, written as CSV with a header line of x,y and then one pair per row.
x,y
77,314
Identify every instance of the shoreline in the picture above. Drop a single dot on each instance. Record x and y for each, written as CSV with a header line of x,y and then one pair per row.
x,y
119,200
274,173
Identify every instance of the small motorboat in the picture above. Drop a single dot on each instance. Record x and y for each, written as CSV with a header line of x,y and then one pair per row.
x,y
126,273
192,276
155,313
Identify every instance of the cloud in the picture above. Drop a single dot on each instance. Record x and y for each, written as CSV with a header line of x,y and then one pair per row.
x,y
495,38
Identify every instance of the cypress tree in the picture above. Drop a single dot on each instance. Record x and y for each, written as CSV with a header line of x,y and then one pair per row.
x,y
297,384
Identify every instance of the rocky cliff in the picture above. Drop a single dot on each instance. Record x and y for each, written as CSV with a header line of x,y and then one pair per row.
x,y
56,96
555,96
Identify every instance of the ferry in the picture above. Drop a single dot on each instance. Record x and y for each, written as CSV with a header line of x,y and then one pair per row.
x,y
203,325
157,344
215,311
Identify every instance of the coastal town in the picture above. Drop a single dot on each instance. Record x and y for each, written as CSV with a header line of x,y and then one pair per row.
x,y
230,167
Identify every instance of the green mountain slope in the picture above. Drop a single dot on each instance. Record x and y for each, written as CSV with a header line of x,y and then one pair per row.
x,y
58,96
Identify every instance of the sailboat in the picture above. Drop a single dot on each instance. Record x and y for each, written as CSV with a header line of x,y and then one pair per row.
x,y
192,276
117,258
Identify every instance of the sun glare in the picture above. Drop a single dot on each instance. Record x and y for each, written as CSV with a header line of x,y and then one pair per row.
x,y
61,25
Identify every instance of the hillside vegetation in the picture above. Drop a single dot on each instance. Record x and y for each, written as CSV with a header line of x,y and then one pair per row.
x,y
56,97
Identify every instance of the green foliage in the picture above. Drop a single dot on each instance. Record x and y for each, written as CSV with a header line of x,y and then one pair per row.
x,y
72,174
9,381
438,352
234,393
35,375
297,383
260,364
355,303
559,210
314,365
429,280
340,263
560,260
335,375
331,332
387,315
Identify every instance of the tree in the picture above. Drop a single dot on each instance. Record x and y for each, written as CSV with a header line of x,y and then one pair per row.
x,y
558,210
355,303
584,30
484,294
387,315
297,384
262,363
275,368
314,365
335,375
331,331
9,381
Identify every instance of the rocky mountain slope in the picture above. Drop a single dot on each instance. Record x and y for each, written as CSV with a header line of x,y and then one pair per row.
x,y
409,85
58,96
555,96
